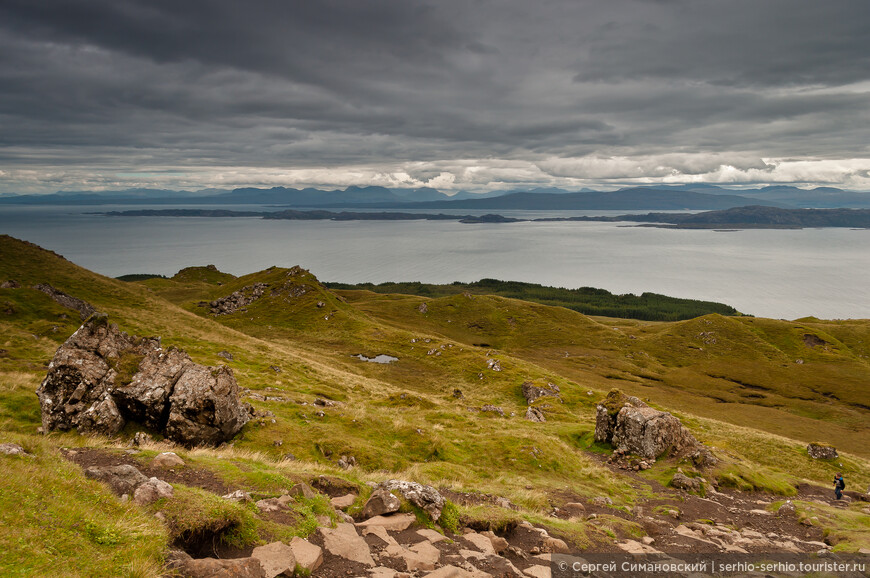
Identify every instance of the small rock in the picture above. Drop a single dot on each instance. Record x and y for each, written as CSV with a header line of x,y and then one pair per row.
x,y
683,482
787,509
602,501
344,541
167,460
302,491
11,449
393,523
575,509
535,415
123,479
343,502
226,355
380,502
238,496
555,546
151,491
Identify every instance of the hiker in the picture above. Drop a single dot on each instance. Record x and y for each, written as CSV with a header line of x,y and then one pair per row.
x,y
839,486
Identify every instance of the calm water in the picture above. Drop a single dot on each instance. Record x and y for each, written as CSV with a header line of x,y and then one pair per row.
x,y
770,273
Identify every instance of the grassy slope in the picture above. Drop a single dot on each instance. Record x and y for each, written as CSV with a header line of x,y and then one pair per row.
x,y
402,419
760,373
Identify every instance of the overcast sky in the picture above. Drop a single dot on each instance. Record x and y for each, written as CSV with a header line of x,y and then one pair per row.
x,y
453,94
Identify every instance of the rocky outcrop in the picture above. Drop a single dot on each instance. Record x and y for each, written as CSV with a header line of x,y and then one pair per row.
x,y
608,409
84,308
11,449
822,451
100,378
535,415
633,427
238,300
425,497
532,392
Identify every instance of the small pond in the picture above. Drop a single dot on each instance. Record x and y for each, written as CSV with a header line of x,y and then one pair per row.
x,y
377,359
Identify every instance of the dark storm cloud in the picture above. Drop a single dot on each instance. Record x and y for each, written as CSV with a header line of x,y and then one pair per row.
x,y
509,91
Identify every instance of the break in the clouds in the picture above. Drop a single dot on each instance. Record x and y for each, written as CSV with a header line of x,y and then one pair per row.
x,y
106,94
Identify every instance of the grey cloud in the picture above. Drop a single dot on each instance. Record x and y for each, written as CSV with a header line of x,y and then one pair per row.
x,y
272,85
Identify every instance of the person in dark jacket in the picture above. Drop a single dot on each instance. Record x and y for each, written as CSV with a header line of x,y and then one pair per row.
x,y
839,486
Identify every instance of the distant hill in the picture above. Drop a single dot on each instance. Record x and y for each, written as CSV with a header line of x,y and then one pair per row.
x,y
626,199
760,217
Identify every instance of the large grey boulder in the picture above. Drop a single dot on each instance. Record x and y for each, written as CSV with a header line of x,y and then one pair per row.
x,y
100,378
649,433
204,407
632,427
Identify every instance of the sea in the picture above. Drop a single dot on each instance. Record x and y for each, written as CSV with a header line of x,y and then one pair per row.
x,y
783,274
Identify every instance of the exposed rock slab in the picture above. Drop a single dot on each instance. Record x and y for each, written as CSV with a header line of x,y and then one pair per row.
x,y
276,559
533,392
344,541
820,451
394,523
84,308
308,556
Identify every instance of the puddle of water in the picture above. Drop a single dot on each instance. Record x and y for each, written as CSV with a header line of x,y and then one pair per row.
x,y
377,359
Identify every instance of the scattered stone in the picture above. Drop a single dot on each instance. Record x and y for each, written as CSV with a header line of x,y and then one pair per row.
x,y
380,502
431,535
423,308
276,559
493,409
532,392
538,571
787,509
151,491
684,482
302,491
393,523
534,414
278,504
141,438
212,568
499,544
457,393
238,496
11,449
494,364
308,556
704,458
482,543
648,540
226,355
346,462
425,497
555,546
123,479
822,451
167,460
343,502
451,571
575,509
10,284
602,501
344,541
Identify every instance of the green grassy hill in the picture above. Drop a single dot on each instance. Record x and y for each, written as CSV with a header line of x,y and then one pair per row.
x,y
757,389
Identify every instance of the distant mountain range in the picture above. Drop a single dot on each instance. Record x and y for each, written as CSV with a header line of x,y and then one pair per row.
x,y
660,197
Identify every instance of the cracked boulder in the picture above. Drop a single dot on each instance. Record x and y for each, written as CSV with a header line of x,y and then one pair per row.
x,y
101,378
632,427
